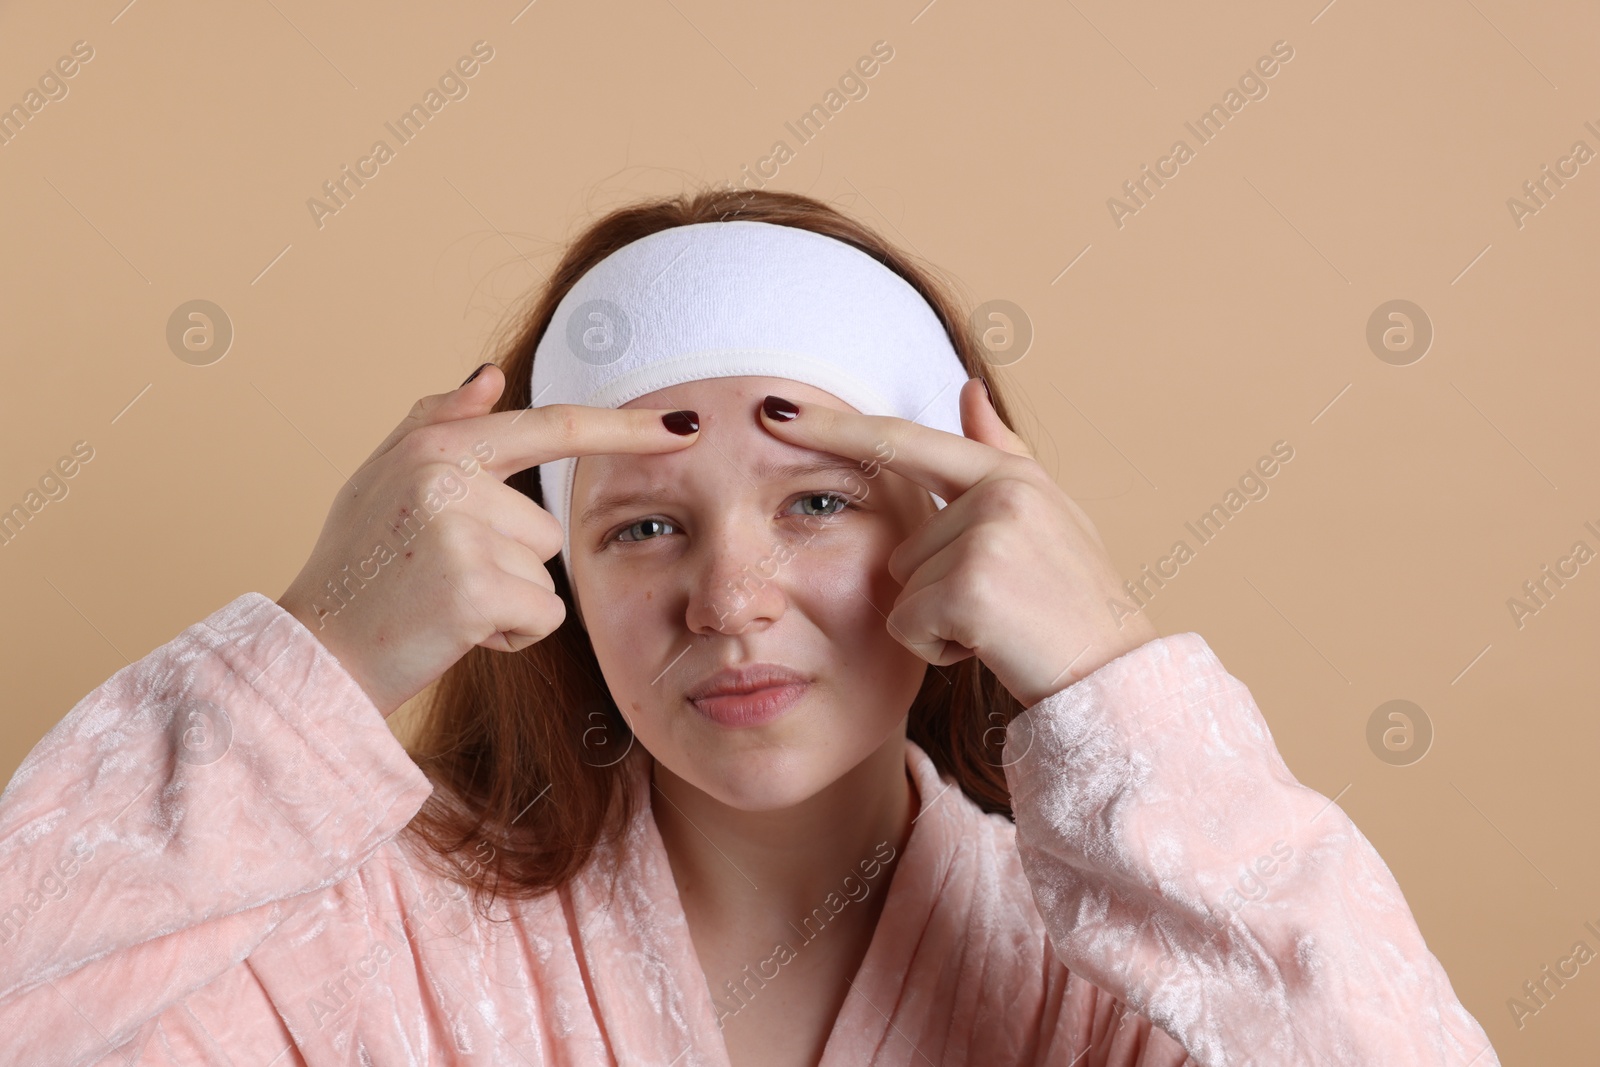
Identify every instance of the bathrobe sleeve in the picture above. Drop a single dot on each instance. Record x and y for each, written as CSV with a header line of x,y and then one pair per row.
x,y
173,819
1183,871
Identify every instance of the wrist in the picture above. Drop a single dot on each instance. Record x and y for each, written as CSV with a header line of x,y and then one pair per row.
x,y
349,663
1104,646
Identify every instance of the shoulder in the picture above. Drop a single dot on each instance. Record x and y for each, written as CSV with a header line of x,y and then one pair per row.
x,y
396,917
407,899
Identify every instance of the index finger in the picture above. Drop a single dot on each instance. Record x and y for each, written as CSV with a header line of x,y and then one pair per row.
x,y
944,463
531,436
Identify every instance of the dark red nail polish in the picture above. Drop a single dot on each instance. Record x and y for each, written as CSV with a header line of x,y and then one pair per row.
x,y
682,423
473,375
778,409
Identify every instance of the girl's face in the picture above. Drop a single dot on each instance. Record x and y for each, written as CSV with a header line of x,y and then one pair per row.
x,y
734,561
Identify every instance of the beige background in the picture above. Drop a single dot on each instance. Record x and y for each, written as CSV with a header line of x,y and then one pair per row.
x,y
1228,313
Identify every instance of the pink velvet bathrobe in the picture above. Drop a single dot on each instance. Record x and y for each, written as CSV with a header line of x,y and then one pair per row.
x,y
241,898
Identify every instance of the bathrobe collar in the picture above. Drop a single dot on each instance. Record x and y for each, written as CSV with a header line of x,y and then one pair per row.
x,y
649,989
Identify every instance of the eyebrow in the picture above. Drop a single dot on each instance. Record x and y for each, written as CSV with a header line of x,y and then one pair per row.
x,y
766,471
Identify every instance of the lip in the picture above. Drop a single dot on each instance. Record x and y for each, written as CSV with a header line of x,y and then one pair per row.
x,y
748,696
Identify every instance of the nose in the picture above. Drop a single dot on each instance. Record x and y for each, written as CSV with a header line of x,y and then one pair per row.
x,y
738,582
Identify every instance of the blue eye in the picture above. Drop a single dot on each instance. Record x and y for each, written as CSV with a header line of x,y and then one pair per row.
x,y
636,525
843,500
658,526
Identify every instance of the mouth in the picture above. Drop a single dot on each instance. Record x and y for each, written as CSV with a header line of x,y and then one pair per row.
x,y
750,696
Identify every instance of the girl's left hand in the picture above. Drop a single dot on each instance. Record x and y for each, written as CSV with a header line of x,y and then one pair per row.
x,y
1010,570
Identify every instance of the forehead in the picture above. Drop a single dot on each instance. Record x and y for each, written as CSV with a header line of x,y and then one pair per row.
x,y
730,428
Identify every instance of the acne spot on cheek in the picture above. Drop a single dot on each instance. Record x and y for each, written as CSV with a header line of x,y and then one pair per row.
x,y
649,594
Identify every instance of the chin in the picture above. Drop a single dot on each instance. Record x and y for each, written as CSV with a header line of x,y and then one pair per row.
x,y
755,781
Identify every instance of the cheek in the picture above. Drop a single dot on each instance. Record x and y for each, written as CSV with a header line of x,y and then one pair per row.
x,y
875,678
846,591
626,623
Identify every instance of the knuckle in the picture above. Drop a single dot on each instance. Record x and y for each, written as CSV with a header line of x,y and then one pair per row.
x,y
471,593
990,546
547,536
457,543
421,444
1028,469
544,580
889,436
563,423
416,508
552,611
1012,498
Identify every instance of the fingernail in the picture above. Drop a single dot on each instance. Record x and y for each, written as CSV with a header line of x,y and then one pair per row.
x,y
473,375
682,423
778,409
986,391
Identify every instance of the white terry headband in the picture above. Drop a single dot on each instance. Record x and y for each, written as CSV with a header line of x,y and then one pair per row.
x,y
717,299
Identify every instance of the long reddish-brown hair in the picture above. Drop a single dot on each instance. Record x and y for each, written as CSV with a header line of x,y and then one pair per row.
x,y
527,752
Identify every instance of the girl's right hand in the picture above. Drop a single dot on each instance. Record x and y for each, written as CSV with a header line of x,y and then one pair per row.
x,y
426,552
